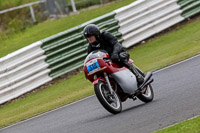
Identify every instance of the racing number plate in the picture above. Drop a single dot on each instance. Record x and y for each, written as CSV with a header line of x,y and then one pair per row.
x,y
93,65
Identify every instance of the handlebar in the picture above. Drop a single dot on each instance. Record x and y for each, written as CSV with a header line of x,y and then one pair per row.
x,y
107,59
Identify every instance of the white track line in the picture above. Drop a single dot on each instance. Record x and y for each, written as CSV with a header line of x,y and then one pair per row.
x,y
177,123
176,63
46,113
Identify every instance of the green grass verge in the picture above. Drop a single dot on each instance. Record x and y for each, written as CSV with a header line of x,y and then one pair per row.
x,y
172,47
189,126
14,42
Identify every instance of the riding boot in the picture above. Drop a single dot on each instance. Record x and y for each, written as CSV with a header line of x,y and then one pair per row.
x,y
138,76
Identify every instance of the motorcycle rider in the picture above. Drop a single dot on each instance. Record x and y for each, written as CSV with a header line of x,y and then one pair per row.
x,y
109,43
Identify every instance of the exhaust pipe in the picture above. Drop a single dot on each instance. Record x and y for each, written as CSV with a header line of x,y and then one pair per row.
x,y
147,83
147,80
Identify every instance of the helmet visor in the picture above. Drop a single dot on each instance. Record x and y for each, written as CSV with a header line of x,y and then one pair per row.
x,y
87,35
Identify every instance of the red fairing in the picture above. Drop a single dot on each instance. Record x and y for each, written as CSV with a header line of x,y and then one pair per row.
x,y
108,67
98,63
97,80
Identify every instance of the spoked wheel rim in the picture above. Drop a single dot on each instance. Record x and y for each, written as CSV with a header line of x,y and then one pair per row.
x,y
147,91
111,99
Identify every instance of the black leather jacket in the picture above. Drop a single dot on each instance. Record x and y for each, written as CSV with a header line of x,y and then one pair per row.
x,y
109,43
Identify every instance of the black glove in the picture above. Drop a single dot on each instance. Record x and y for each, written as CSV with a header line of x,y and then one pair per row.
x,y
115,57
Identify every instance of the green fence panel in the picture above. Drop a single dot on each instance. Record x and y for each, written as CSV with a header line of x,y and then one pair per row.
x,y
184,3
189,7
67,50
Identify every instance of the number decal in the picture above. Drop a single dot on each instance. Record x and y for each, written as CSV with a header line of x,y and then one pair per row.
x,y
90,68
93,66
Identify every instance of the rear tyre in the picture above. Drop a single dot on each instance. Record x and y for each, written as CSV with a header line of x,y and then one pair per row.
x,y
110,102
147,95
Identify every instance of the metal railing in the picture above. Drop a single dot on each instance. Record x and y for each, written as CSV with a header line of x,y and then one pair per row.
x,y
30,5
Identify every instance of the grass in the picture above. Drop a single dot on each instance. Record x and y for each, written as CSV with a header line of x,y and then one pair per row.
x,y
189,126
172,47
40,31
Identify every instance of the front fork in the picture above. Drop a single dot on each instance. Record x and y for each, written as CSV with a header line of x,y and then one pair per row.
x,y
109,86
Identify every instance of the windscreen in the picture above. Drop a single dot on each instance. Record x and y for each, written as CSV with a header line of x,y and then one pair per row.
x,y
95,54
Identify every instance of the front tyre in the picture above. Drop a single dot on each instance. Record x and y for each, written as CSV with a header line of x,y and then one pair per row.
x,y
110,102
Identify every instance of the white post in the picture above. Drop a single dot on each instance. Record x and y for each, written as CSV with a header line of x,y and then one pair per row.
x,y
73,6
32,13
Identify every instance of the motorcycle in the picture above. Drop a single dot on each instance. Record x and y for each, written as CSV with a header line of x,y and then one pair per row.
x,y
113,84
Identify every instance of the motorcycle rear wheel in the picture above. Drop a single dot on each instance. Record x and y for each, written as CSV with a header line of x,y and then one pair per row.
x,y
110,102
147,95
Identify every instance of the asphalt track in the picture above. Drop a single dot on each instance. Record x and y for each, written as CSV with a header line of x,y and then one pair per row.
x,y
177,98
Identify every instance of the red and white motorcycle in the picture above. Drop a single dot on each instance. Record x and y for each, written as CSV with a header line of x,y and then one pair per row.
x,y
114,84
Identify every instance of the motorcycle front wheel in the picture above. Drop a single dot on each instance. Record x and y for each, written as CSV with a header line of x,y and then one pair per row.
x,y
110,102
